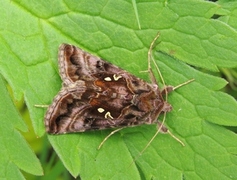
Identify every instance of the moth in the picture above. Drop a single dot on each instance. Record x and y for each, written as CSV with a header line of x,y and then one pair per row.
x,y
98,95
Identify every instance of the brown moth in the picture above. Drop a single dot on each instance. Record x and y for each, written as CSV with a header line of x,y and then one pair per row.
x,y
99,95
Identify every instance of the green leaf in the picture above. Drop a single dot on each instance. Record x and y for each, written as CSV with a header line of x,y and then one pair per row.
x,y
121,32
15,152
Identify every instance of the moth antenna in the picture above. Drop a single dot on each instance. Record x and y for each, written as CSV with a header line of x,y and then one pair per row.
x,y
41,106
153,137
161,77
150,58
107,137
150,50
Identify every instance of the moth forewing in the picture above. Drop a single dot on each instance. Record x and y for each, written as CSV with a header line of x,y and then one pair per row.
x,y
98,95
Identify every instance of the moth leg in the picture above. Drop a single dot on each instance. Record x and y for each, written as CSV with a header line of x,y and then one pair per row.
x,y
177,139
183,84
160,126
107,137
41,106
165,130
162,129
167,89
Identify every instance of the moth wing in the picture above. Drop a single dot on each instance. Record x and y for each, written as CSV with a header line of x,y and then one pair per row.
x,y
98,95
76,64
69,114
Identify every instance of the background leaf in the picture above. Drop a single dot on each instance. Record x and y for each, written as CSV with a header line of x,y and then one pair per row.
x,y
15,153
200,33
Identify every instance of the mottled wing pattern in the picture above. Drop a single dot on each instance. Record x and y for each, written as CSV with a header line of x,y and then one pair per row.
x,y
98,95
